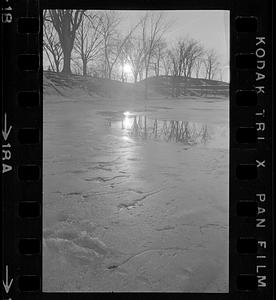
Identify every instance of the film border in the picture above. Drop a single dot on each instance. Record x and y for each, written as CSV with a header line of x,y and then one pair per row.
x,y
17,267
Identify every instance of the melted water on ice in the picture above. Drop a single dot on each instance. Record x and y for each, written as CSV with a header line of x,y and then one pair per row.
x,y
184,132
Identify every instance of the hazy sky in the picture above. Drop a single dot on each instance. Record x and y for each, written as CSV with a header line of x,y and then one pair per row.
x,y
211,27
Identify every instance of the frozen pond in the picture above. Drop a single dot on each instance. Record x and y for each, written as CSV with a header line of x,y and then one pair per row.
x,y
135,195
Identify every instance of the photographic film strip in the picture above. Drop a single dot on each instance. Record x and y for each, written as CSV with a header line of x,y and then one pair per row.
x,y
137,149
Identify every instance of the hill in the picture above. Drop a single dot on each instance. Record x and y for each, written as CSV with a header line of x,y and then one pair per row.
x,y
181,86
164,86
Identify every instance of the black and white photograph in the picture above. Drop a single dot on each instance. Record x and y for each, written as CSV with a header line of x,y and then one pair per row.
x,y
136,151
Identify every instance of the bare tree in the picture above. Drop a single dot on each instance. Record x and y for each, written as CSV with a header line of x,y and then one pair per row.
x,y
159,52
183,58
88,40
166,62
190,50
211,64
195,52
51,45
198,66
126,58
66,22
153,29
175,64
113,42
135,55
123,61
76,66
174,60
109,23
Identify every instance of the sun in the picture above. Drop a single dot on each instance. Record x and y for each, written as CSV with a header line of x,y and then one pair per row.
x,y
127,68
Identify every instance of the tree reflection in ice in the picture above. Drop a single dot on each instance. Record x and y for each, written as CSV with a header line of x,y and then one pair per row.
x,y
140,126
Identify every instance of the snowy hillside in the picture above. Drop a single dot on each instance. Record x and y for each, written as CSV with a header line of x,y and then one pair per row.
x,y
163,86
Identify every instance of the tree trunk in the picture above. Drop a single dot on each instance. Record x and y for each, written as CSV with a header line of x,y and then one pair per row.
x,y
67,45
57,66
66,22
158,67
109,73
140,76
135,75
66,60
146,88
146,83
84,67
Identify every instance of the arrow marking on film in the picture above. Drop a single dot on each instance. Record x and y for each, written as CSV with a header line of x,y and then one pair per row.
x,y
7,284
6,132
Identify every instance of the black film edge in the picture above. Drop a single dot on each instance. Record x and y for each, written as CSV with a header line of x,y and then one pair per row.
x,y
250,171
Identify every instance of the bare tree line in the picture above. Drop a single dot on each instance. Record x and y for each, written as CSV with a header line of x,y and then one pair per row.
x,y
90,43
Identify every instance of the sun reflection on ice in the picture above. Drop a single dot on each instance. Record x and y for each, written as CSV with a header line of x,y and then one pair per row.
x,y
127,122
126,138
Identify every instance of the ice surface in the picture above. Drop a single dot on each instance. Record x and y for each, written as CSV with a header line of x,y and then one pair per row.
x,y
127,213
